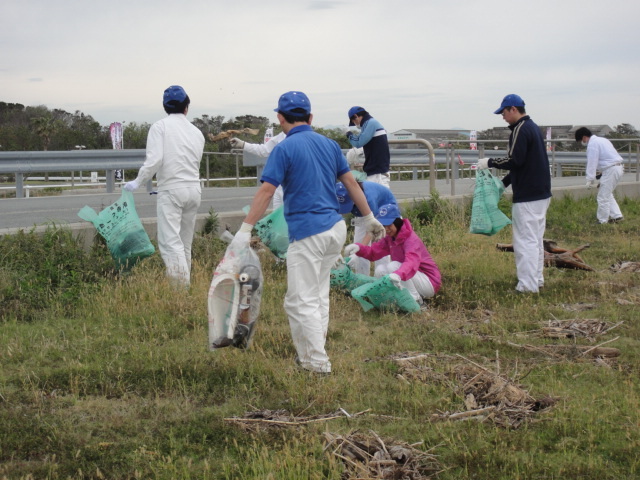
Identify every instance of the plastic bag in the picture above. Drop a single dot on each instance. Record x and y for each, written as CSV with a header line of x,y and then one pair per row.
x,y
122,229
345,279
234,299
274,232
384,295
486,217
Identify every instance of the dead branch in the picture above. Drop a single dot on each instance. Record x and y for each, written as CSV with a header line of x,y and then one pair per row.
x,y
231,133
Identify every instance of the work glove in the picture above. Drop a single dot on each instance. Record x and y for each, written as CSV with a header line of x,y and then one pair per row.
x,y
351,250
590,183
483,163
242,237
131,186
395,279
339,263
236,143
373,227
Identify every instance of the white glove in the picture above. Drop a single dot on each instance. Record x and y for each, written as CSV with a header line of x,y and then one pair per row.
x,y
236,143
483,163
373,227
395,279
338,264
590,183
242,237
131,186
351,250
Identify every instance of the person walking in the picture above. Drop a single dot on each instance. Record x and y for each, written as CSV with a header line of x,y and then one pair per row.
x,y
530,180
603,157
174,152
373,140
307,165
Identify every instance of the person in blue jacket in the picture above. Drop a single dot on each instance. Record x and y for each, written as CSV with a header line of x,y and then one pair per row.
x,y
377,195
373,140
530,180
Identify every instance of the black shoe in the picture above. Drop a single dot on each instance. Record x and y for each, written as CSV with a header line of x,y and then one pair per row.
x,y
616,220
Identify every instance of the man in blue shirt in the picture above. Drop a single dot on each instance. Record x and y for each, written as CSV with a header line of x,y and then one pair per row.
x,y
377,195
307,166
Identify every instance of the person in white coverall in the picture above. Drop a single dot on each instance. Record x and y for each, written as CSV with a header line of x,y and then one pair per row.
x,y
174,152
307,165
602,156
262,150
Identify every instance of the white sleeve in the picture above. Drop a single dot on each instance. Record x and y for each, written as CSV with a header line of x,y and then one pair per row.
x,y
264,149
155,153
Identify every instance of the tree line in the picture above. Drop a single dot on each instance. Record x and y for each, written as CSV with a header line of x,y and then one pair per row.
x,y
41,129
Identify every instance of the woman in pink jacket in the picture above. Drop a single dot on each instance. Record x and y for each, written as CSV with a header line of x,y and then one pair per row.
x,y
411,265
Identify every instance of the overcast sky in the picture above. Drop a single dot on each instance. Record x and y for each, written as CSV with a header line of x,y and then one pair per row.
x,y
412,64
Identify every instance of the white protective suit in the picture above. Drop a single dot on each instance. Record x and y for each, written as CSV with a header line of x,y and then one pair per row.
x,y
174,152
264,150
602,156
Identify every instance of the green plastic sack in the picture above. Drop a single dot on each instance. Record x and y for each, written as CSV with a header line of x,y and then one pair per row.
x,y
486,217
384,295
345,279
274,232
122,229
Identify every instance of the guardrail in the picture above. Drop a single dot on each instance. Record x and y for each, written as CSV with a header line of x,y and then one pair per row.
x,y
451,159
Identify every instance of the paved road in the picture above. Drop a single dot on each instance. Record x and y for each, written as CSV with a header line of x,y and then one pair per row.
x,y
62,210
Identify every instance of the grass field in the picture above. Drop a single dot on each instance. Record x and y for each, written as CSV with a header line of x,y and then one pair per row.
x,y
109,376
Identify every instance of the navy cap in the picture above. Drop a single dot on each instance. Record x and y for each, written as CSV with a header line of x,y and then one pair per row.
x,y
175,93
346,204
291,101
511,100
388,213
352,112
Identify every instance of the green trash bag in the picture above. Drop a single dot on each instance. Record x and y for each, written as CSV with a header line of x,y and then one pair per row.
x,y
122,229
345,279
384,295
274,232
486,217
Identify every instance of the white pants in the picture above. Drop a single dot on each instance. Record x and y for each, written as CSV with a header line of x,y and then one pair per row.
x,y
529,222
309,263
362,265
176,210
381,178
607,205
419,286
278,199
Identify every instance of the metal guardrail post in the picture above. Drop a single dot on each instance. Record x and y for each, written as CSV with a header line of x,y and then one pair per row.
x,y
432,159
19,185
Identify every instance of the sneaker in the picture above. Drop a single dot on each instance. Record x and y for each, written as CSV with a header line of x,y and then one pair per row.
x,y
616,220
310,368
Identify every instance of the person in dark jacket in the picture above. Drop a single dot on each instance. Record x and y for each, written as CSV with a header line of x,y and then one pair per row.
x,y
530,180
373,140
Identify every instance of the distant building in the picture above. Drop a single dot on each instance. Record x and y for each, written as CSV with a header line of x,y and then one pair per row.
x,y
438,138
434,137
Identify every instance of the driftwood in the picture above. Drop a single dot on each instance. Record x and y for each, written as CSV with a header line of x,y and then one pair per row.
x,y
231,133
555,256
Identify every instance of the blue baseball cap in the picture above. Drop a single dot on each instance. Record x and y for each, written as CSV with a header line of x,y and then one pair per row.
x,y
344,200
511,100
352,112
175,93
388,213
291,101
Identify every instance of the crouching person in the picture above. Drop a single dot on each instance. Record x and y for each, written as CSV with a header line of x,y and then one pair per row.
x,y
411,265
